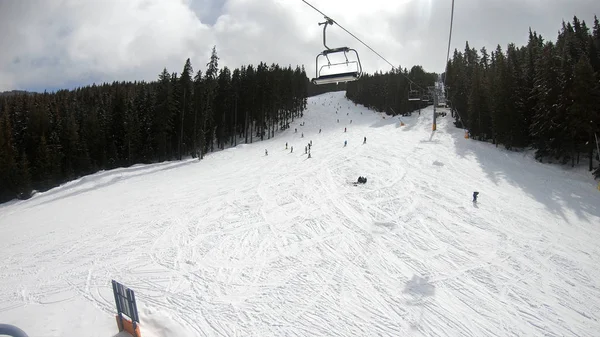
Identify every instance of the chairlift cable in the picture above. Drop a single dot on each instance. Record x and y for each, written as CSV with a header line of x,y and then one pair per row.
x,y
448,59
449,40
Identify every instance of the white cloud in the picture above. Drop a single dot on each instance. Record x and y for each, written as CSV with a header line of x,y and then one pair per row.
x,y
54,43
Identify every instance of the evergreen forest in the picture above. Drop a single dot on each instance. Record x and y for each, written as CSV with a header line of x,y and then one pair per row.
x,y
544,96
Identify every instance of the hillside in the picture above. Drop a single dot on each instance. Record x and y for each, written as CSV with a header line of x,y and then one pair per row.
x,y
244,244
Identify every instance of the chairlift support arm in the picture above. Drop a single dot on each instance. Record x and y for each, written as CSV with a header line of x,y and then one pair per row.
x,y
328,21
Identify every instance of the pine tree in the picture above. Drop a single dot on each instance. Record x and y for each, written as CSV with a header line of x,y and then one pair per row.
x,y
8,165
186,94
43,165
544,126
583,113
24,189
198,111
163,120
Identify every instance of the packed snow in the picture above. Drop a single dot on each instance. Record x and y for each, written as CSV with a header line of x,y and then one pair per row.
x,y
247,244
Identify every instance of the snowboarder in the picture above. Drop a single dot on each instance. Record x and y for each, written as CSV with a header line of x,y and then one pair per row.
x,y
365,140
475,194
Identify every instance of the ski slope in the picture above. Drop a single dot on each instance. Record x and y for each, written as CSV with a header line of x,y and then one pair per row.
x,y
243,244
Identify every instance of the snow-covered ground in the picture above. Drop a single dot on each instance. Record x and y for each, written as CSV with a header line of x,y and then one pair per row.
x,y
243,244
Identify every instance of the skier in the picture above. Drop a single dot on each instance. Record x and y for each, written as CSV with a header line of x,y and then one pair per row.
x,y
266,152
309,155
305,150
365,141
345,143
344,129
350,121
311,142
475,194
291,149
295,130
338,120
319,130
286,145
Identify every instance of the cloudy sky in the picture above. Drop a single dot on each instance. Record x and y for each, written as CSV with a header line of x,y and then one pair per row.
x,y
51,44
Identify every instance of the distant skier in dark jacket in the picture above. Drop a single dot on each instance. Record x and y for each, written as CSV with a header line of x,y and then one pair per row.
x,y
475,194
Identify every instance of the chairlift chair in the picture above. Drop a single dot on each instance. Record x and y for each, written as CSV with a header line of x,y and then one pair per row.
x,y
413,94
335,77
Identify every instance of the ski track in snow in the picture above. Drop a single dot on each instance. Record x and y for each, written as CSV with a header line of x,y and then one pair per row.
x,y
243,244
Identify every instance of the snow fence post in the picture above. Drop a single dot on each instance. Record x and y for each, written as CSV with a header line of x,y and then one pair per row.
x,y
126,305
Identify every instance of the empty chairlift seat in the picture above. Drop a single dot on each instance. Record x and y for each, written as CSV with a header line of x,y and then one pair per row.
x,y
352,69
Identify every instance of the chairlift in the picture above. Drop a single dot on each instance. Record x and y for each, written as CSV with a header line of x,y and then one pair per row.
x,y
335,77
413,94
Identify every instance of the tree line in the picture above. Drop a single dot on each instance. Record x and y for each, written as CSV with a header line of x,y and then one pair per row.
x,y
545,95
389,92
49,138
